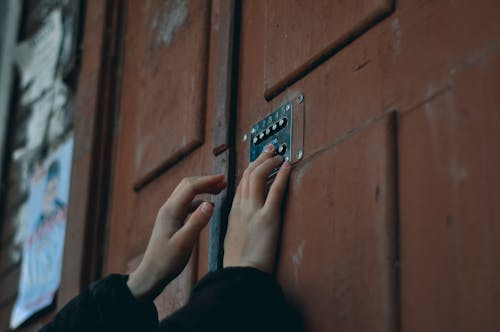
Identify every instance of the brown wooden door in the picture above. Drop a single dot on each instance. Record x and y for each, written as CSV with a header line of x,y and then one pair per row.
x,y
387,216
162,135
337,258
391,220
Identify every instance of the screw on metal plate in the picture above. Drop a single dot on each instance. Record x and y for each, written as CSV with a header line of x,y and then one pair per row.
x,y
288,107
300,98
299,154
244,138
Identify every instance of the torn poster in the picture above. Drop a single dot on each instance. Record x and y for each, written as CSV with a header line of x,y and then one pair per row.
x,y
37,58
43,242
50,106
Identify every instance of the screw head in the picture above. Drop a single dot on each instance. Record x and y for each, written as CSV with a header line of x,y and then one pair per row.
x,y
299,154
288,107
244,138
253,131
300,98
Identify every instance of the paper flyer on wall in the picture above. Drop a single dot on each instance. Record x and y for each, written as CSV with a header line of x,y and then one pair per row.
x,y
43,242
37,58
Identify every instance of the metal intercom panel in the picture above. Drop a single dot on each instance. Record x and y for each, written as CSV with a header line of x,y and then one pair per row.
x,y
284,128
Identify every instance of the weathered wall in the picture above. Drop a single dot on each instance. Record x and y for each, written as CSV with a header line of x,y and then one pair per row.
x,y
31,134
392,215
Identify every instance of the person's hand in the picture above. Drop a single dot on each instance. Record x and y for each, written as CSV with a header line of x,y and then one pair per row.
x,y
254,220
173,237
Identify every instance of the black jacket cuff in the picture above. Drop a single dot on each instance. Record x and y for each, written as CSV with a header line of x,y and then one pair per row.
x,y
107,305
232,299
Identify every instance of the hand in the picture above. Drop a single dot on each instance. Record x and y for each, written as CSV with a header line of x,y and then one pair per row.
x,y
254,220
173,239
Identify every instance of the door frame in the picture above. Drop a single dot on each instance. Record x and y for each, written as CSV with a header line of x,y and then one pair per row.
x,y
96,107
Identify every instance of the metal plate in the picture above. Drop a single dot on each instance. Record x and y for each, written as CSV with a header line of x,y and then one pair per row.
x,y
283,128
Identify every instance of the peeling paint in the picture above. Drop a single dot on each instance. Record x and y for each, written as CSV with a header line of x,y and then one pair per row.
x,y
297,259
36,126
459,174
169,20
300,172
21,229
396,30
139,151
48,120
60,117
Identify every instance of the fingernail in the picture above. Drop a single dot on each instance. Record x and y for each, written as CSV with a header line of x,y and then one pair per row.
x,y
207,208
269,148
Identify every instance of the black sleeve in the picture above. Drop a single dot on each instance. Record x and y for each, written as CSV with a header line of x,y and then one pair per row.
x,y
107,305
233,299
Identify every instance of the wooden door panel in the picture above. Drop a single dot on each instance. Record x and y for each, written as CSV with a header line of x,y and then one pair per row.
x,y
155,193
338,246
450,216
133,215
300,33
436,62
166,54
379,73
160,123
338,242
333,106
177,292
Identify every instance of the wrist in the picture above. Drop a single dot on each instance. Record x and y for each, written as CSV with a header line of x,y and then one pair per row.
x,y
143,285
136,287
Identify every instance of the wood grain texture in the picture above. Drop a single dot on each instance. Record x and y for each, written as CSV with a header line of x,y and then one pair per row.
x,y
300,34
166,57
450,217
338,258
163,97
416,56
94,110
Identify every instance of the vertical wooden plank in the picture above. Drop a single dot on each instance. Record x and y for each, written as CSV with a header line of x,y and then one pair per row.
x,y
338,254
167,43
450,216
93,131
300,35
222,140
153,99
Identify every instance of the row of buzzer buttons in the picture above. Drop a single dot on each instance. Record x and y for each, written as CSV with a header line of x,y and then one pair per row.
x,y
269,131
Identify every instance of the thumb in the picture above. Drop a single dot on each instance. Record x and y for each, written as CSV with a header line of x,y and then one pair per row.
x,y
189,232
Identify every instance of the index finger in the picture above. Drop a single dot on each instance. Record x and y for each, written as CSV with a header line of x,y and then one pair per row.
x,y
277,190
179,202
